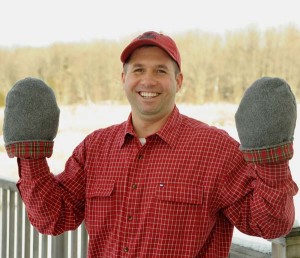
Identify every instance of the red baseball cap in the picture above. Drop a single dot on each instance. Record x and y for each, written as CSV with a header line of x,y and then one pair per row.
x,y
156,39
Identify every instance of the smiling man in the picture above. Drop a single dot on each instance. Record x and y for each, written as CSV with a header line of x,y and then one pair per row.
x,y
151,80
160,184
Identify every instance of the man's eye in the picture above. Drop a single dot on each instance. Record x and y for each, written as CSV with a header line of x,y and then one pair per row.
x,y
161,71
138,70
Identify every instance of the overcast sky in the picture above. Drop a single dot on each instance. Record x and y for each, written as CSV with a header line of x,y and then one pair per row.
x,y
43,22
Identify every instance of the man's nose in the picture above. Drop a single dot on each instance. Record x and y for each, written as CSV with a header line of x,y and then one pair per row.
x,y
148,79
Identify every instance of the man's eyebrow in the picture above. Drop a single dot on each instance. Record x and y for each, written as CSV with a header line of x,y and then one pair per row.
x,y
162,66
138,64
159,66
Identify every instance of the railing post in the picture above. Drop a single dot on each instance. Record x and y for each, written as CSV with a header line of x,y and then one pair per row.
x,y
4,223
279,248
74,244
293,243
44,251
288,246
27,237
84,241
19,225
11,232
35,242
60,246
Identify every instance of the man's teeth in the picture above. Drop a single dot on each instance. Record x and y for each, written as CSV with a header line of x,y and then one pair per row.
x,y
148,94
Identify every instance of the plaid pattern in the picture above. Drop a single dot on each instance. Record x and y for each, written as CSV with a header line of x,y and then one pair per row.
x,y
272,155
30,149
178,195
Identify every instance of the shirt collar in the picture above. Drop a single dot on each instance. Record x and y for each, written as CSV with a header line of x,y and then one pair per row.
x,y
168,133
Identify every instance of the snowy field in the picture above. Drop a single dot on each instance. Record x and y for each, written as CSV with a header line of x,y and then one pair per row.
x,y
77,121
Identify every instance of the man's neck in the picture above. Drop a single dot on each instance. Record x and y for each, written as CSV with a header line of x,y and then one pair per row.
x,y
146,127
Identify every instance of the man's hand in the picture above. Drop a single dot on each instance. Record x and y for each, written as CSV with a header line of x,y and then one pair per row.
x,y
266,119
31,118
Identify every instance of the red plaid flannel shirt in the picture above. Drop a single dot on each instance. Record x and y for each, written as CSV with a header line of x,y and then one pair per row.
x,y
179,195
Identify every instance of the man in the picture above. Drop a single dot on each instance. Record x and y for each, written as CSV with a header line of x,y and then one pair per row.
x,y
160,184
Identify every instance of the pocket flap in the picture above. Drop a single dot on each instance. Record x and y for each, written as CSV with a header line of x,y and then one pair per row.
x,y
180,192
104,189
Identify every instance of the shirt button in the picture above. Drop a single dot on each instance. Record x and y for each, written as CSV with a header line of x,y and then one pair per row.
x,y
130,217
134,186
140,156
126,249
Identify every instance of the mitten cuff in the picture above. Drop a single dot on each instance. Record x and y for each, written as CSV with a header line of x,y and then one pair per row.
x,y
275,154
30,149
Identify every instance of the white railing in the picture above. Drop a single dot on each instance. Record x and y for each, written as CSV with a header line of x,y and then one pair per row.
x,y
18,239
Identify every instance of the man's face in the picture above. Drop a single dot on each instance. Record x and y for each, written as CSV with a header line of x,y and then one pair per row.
x,y
151,83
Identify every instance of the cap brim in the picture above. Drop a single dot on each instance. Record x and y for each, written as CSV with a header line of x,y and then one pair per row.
x,y
134,45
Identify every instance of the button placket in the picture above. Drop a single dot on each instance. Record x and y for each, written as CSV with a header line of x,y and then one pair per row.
x,y
135,187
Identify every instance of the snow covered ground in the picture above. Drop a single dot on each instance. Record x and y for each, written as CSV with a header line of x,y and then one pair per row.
x,y
77,121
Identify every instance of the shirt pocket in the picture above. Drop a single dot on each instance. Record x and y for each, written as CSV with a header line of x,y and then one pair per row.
x,y
179,193
100,207
104,188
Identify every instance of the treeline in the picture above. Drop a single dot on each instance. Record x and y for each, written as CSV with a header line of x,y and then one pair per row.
x,y
215,67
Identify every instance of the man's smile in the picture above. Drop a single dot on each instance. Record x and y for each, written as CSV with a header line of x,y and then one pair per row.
x,y
147,95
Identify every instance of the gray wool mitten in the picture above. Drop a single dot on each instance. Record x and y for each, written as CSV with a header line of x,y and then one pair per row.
x,y
266,116
31,118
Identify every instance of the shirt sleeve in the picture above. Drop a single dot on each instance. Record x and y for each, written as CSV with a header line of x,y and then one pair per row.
x,y
64,193
258,197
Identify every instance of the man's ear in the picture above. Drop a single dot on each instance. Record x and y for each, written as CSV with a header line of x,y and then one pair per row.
x,y
179,80
123,77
